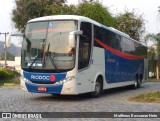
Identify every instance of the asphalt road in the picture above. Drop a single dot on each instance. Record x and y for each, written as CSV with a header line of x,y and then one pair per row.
x,y
13,99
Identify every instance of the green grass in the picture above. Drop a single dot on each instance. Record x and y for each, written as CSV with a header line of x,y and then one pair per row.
x,y
152,97
14,80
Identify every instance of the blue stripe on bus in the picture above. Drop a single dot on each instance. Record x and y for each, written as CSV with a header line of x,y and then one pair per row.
x,y
120,69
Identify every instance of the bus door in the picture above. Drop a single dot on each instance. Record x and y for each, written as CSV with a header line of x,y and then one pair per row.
x,y
85,44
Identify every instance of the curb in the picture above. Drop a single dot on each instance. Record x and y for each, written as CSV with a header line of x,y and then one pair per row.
x,y
8,84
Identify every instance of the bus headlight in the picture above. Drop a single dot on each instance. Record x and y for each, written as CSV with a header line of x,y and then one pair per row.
x,y
65,80
25,80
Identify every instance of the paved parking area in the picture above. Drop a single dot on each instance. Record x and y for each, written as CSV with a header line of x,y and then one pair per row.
x,y
13,99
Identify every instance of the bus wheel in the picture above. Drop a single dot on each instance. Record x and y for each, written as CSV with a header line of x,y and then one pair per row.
x,y
137,84
97,89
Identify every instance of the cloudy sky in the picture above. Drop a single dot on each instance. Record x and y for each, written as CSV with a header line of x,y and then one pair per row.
x,y
149,8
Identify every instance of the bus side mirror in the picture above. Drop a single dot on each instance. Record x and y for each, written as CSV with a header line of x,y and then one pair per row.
x,y
72,37
8,40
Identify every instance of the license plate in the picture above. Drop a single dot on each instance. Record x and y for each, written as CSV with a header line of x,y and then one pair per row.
x,y
42,89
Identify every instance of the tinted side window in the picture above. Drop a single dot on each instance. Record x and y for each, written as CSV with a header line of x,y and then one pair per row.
x,y
140,49
97,35
127,45
115,40
107,37
85,45
118,42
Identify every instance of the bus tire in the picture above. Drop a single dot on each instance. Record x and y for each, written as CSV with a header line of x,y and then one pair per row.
x,y
98,89
137,83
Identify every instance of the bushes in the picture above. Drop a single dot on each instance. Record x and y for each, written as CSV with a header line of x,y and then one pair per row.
x,y
9,76
4,74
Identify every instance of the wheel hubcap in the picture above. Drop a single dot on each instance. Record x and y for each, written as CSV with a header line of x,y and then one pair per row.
x,y
97,88
135,83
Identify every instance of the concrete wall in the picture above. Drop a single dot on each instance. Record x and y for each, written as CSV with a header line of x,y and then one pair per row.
x,y
12,64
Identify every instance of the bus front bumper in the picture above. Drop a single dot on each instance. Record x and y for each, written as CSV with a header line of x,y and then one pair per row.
x,y
68,88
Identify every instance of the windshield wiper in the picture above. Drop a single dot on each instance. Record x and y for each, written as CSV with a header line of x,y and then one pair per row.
x,y
37,56
33,61
48,54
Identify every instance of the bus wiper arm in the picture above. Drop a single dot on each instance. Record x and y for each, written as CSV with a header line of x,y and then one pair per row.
x,y
33,61
51,58
37,57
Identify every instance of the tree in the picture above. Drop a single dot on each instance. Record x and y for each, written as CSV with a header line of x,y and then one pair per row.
x,y
131,24
29,9
154,53
59,1
9,57
97,12
151,60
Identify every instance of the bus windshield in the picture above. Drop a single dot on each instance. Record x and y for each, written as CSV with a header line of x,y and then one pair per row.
x,y
46,46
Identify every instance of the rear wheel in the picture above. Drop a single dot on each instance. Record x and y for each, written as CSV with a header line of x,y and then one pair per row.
x,y
137,83
98,89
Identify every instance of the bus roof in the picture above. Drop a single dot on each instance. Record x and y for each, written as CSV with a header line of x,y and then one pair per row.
x,y
81,18
76,17
65,17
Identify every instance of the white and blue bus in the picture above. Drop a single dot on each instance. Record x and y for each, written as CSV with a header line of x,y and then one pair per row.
x,y
71,55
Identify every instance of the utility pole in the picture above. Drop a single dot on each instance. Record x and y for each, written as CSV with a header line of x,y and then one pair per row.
x,y
158,13
5,48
